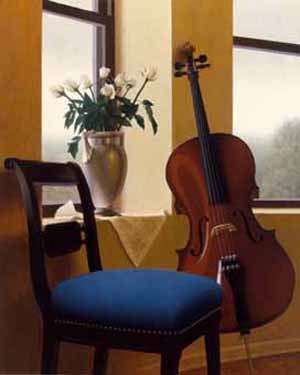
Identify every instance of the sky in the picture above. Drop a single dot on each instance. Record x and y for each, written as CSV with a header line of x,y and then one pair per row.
x,y
266,84
67,54
84,4
268,19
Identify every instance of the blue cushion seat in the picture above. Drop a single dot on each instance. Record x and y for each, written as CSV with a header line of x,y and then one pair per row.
x,y
152,300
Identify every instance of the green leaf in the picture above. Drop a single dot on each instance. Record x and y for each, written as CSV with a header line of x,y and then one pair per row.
x,y
66,117
127,108
88,105
81,129
148,108
69,118
124,100
140,121
78,122
148,103
72,117
80,110
73,146
124,122
88,100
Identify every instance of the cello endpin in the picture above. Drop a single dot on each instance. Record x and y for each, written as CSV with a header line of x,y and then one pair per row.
x,y
249,357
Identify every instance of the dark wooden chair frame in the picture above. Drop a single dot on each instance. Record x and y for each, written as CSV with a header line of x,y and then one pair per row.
x,y
46,240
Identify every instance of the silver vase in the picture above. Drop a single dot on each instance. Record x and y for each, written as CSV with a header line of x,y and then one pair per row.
x,y
105,167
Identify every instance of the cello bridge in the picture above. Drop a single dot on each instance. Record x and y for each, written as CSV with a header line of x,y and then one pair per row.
x,y
220,228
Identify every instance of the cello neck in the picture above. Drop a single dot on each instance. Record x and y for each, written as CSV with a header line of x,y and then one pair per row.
x,y
199,109
215,186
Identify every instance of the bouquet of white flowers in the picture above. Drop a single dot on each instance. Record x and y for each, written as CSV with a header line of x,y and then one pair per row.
x,y
108,110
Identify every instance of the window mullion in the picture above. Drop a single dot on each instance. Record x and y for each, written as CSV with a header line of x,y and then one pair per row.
x,y
104,36
269,45
102,7
110,43
99,57
75,13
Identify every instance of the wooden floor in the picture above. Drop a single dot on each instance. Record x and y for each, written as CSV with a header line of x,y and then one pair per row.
x,y
286,364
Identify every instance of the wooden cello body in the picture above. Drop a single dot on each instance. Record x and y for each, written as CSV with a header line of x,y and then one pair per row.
x,y
213,178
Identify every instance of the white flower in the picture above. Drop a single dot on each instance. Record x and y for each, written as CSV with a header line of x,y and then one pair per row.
x,y
104,72
120,80
150,73
85,82
109,91
71,85
57,91
131,82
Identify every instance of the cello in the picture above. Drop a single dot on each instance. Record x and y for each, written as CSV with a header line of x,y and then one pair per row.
x,y
212,177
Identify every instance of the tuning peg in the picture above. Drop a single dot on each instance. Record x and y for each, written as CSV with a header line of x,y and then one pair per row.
x,y
179,65
202,66
201,59
180,74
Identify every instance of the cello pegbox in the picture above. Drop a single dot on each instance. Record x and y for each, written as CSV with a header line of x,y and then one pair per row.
x,y
178,73
201,59
202,66
179,65
178,69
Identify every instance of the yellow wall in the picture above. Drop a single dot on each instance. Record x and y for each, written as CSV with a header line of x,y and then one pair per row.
x,y
20,98
208,26
161,26
143,31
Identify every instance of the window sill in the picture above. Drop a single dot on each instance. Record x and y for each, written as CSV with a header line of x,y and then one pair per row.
x,y
276,203
276,210
258,207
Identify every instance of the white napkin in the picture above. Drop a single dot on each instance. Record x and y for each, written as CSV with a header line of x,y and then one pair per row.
x,y
67,212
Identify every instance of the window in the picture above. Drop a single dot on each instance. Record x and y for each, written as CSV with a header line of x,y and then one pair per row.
x,y
267,92
78,38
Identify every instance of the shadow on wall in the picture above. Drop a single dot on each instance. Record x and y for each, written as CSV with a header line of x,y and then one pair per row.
x,y
20,318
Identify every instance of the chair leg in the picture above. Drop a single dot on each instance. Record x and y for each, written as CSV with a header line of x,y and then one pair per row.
x,y
212,345
50,352
170,363
100,361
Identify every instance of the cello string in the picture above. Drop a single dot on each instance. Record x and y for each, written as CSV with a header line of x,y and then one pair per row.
x,y
218,207
200,116
203,139
217,181
214,196
216,200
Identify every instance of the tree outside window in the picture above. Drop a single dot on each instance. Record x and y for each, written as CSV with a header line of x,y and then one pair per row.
x,y
267,94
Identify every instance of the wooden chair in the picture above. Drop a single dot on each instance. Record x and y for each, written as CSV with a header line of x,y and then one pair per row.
x,y
141,309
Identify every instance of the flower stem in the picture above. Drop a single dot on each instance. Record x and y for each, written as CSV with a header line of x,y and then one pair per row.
x,y
140,90
93,95
79,93
127,90
71,100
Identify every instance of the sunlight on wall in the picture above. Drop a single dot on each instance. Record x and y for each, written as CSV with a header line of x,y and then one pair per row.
x,y
143,35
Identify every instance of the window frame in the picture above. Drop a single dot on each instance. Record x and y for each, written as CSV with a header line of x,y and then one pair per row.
x,y
103,16
279,47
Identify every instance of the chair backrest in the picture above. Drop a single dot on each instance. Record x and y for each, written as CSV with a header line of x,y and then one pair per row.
x,y
59,238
